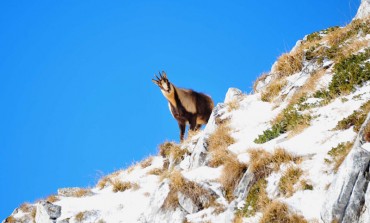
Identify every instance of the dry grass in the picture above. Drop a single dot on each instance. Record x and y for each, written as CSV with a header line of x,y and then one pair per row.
x,y
262,163
147,162
80,216
233,105
308,87
273,90
81,192
178,184
231,174
288,180
367,132
155,171
10,219
278,212
172,150
52,198
218,142
353,47
120,186
289,63
103,182
238,218
26,207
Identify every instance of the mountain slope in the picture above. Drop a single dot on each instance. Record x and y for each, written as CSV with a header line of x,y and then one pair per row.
x,y
296,150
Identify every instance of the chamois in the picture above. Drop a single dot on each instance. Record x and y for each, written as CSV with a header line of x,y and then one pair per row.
x,y
186,106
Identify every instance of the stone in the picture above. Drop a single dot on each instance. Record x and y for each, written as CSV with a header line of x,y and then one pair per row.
x,y
47,212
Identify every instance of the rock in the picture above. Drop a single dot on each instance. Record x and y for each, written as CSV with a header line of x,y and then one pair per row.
x,y
47,212
187,204
242,189
346,201
364,10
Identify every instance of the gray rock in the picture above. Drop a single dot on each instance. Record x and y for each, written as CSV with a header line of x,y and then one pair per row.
x,y
363,10
242,189
47,212
187,204
345,201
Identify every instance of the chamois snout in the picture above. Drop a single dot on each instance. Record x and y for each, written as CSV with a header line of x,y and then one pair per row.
x,y
186,106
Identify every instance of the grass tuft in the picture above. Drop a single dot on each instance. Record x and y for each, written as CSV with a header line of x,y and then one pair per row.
x,y
273,90
218,142
120,186
288,180
289,63
232,172
172,150
278,212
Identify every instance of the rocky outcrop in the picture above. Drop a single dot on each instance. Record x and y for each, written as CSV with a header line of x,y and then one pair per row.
x,y
47,212
364,10
348,195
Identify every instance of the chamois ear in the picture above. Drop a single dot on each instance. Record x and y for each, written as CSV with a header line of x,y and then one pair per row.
x,y
164,74
155,82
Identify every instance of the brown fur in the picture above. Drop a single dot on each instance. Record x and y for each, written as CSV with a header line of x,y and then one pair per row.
x,y
186,106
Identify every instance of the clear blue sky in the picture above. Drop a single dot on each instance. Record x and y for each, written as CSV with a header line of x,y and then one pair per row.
x,y
76,96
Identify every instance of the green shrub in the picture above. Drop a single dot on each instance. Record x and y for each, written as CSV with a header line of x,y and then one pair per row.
x,y
356,119
349,73
288,120
339,153
257,198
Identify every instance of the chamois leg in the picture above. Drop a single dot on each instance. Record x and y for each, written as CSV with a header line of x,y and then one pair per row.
x,y
193,123
198,126
182,127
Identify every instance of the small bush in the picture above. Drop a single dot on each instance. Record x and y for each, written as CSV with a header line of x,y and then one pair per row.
x,y
349,73
356,119
288,180
218,142
273,90
339,153
257,199
277,212
231,174
120,186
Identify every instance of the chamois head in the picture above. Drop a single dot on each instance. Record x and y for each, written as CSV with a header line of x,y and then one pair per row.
x,y
162,82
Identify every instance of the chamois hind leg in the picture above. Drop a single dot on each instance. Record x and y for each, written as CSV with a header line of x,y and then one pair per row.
x,y
182,127
198,126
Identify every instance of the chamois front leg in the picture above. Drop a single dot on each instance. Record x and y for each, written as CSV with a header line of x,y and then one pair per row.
x,y
193,123
182,127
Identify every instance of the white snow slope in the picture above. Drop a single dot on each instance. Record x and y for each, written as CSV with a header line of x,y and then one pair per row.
x,y
151,181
